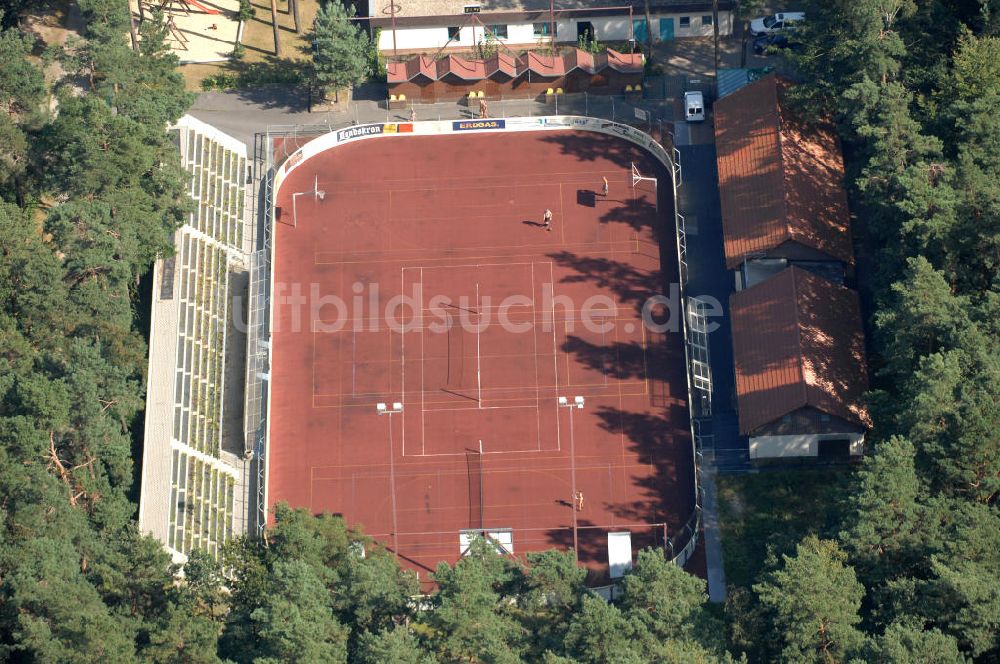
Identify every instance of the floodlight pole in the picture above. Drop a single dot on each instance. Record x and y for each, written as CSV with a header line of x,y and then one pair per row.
x,y
383,409
577,402
715,35
392,14
552,25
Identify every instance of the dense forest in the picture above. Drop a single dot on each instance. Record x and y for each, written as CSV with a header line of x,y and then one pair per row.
x,y
90,191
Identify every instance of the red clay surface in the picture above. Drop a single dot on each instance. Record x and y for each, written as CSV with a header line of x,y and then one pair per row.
x,y
458,216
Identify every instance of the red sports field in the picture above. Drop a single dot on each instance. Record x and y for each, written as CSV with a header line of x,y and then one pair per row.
x,y
453,222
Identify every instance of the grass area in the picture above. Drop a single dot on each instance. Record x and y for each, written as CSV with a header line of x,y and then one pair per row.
x,y
259,61
771,512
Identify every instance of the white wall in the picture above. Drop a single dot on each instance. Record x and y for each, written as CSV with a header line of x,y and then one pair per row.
x,y
523,33
696,27
806,445
413,38
611,28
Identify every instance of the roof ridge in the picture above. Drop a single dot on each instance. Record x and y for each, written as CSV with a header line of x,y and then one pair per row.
x,y
800,355
789,234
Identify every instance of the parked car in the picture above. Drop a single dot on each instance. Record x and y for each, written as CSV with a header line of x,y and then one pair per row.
x,y
776,40
768,24
694,106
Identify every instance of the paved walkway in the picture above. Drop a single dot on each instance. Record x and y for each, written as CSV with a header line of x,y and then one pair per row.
x,y
242,113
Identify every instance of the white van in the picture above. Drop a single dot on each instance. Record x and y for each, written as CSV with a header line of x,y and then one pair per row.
x,y
694,106
768,24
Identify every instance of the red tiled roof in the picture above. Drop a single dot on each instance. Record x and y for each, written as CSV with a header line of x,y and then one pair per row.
x,y
470,70
501,62
628,63
780,179
798,341
543,65
546,65
398,72
579,59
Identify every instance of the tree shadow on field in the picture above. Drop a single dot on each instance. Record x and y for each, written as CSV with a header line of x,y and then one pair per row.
x,y
627,361
638,213
592,146
629,283
664,442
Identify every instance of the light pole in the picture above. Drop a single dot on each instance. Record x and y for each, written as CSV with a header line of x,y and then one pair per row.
x,y
383,409
577,402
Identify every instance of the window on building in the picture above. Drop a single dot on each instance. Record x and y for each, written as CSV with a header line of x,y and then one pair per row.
x,y
499,31
685,22
823,417
542,29
453,32
706,19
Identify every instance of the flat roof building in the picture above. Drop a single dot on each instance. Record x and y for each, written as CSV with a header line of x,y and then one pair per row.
x,y
414,26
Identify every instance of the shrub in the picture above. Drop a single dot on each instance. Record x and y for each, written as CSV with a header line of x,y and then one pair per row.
x,y
245,12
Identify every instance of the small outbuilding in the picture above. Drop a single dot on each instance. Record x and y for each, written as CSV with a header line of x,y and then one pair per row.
x,y
781,184
801,375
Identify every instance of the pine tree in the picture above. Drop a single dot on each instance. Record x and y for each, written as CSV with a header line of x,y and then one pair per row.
x,y
599,633
340,48
963,598
553,591
903,644
883,533
397,645
294,621
814,598
471,616
669,602
22,84
845,43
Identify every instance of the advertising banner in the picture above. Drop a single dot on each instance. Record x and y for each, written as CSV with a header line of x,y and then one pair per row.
x,y
464,125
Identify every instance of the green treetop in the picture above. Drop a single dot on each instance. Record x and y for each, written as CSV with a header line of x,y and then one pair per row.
x,y
341,55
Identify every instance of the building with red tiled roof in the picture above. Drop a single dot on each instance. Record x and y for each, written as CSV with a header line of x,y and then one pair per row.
x,y
801,375
504,76
780,181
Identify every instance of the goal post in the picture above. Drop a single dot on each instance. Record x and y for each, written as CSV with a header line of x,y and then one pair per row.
x,y
317,194
638,178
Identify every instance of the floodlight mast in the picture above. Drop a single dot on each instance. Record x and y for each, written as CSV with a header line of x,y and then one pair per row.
x,y
577,499
383,409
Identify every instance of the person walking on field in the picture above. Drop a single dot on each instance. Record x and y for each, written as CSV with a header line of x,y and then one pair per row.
x,y
604,189
547,220
578,499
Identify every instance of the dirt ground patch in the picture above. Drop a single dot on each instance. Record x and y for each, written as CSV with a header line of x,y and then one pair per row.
x,y
258,42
